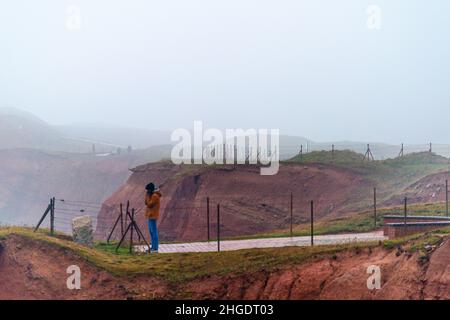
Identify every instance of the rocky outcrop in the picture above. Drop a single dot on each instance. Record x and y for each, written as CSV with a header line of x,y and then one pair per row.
x,y
82,230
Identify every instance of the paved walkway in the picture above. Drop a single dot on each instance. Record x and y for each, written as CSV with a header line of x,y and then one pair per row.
x,y
230,245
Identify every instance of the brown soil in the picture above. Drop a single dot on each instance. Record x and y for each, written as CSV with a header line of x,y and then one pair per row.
x,y
339,277
34,270
250,203
427,190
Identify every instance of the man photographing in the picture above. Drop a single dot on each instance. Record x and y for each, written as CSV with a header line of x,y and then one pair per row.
x,y
152,203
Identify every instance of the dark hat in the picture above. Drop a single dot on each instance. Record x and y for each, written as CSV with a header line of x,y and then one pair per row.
x,y
150,187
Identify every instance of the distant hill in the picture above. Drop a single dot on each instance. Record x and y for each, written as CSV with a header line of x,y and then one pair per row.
x,y
117,136
21,129
30,177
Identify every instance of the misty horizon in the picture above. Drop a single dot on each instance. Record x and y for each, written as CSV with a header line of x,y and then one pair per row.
x,y
307,69
107,126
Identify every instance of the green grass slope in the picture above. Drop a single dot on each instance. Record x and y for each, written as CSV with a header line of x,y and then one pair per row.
x,y
181,267
390,176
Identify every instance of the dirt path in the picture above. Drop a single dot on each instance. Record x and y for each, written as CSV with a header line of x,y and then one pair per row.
x,y
230,245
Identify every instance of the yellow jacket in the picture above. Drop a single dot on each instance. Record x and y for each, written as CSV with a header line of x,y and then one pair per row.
x,y
152,203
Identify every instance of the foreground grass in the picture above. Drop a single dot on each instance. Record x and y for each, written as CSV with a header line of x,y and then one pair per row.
x,y
181,267
418,242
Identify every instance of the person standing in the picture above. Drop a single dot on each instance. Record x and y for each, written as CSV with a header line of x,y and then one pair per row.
x,y
152,203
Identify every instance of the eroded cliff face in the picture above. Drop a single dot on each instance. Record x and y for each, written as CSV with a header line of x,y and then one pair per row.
x,y
32,269
340,277
250,203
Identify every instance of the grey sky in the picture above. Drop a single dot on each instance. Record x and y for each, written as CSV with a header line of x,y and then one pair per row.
x,y
309,68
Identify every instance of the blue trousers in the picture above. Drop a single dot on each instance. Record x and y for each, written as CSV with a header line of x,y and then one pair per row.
x,y
153,229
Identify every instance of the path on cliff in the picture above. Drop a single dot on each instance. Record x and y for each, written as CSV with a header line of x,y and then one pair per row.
x,y
229,245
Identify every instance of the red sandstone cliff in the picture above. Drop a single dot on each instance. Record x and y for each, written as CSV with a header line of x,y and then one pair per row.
x,y
250,203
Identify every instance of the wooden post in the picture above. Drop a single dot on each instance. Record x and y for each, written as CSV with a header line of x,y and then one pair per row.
x,y
224,154
405,211
127,212
446,197
312,223
52,216
218,227
49,207
121,219
368,155
132,229
207,219
292,209
135,227
375,207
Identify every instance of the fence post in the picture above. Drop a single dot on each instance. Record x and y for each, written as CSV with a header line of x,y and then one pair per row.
x,y
405,211
52,216
49,207
218,227
121,219
207,218
446,197
127,212
132,229
292,206
312,223
375,206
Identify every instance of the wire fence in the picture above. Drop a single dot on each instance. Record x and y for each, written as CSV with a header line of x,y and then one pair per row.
x,y
242,215
380,151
